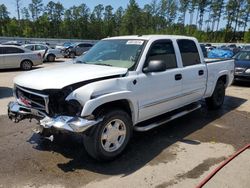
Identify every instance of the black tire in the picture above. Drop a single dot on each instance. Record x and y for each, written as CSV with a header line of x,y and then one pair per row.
x,y
217,99
26,65
94,142
72,55
51,58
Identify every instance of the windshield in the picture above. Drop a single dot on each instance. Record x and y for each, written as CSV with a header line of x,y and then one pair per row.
x,y
243,56
117,53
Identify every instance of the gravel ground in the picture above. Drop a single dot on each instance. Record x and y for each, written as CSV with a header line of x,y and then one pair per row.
x,y
178,154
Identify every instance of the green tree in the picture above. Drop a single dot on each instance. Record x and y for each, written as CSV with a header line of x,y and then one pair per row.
x,y
202,4
83,21
97,22
118,20
245,16
192,6
54,13
4,19
109,21
183,10
168,10
35,7
131,19
247,36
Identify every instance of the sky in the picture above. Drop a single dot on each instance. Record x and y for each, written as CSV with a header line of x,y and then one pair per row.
x,y
11,5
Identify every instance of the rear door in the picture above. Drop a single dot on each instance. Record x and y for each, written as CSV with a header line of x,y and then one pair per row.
x,y
194,71
12,57
2,65
40,49
159,92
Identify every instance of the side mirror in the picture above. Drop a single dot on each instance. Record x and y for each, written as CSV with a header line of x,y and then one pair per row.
x,y
155,66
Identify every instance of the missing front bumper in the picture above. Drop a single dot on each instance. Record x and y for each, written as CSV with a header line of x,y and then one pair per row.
x,y
17,112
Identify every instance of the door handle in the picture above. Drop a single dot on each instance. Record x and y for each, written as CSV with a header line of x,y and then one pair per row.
x,y
178,77
201,72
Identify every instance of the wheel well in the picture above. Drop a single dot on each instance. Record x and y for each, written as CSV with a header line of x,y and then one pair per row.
x,y
51,54
121,104
223,78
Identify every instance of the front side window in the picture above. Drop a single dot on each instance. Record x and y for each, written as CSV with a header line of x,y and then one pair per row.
x,y
116,52
163,50
40,47
189,52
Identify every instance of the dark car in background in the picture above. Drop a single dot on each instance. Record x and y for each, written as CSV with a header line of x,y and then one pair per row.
x,y
64,45
242,66
76,49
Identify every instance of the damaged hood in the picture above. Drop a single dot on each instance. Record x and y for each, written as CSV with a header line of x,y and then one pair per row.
x,y
59,76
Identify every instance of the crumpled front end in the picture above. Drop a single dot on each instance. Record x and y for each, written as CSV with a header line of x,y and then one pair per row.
x,y
35,105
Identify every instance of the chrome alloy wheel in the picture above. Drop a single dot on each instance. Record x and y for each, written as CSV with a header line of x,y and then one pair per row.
x,y
113,135
26,65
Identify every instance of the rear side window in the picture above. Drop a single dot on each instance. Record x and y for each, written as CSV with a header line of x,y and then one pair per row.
x,y
12,50
163,50
1,50
189,52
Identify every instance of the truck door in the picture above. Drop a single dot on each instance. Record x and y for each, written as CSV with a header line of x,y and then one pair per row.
x,y
194,71
159,92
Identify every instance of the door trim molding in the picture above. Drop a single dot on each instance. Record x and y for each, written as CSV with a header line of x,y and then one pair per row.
x,y
169,99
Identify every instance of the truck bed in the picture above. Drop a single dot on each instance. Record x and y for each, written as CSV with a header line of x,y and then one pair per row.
x,y
214,60
217,67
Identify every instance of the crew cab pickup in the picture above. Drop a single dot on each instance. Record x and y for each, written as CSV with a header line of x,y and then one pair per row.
x,y
122,84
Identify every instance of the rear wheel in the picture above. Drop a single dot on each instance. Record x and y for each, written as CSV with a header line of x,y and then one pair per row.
x,y
217,99
26,65
110,137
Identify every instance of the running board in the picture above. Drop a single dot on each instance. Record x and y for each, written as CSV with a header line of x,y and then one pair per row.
x,y
170,118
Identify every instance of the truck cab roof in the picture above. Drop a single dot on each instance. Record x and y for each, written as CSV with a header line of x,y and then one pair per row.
x,y
151,37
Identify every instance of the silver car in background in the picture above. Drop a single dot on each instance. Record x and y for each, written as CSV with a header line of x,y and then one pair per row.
x,y
49,54
18,57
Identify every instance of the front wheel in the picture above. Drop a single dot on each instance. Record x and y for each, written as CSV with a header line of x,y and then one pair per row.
x,y
51,58
217,99
110,137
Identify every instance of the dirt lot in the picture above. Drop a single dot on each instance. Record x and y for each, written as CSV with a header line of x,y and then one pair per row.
x,y
178,154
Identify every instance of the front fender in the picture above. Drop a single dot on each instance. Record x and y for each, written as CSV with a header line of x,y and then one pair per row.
x,y
92,104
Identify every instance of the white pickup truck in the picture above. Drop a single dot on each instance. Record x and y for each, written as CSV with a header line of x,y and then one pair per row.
x,y
122,84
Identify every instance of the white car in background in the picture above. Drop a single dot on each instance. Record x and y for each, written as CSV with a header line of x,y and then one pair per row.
x,y
46,52
12,56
